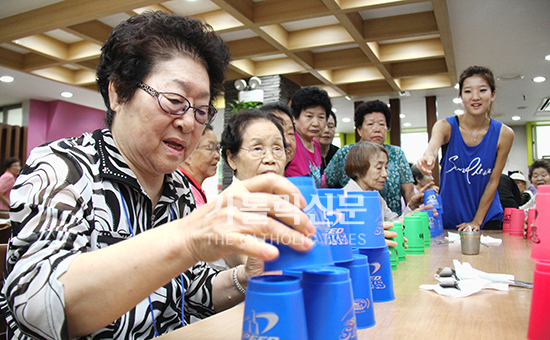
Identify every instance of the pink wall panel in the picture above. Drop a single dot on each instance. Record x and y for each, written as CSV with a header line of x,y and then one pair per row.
x,y
50,121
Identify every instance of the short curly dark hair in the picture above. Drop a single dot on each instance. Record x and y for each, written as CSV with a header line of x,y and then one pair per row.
x,y
308,97
137,44
232,135
539,164
369,107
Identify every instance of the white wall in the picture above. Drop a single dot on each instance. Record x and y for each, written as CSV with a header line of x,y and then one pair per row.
x,y
517,159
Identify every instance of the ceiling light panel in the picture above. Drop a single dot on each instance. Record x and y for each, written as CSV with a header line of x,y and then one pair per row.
x,y
310,23
63,36
191,7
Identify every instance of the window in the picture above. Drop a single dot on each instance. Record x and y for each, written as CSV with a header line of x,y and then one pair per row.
x,y
12,115
414,144
541,141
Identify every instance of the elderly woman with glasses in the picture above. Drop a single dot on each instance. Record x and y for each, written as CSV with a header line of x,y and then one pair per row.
x,y
107,240
253,144
202,164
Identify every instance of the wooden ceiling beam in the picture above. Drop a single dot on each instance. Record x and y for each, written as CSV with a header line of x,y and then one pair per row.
x,y
90,64
245,66
277,66
57,73
242,10
267,12
427,82
400,26
359,5
82,50
33,61
278,34
442,17
319,36
341,58
418,68
356,75
11,59
220,20
83,77
250,47
94,31
368,88
45,45
418,49
62,14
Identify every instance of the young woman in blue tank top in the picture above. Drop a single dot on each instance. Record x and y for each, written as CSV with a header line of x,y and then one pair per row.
x,y
475,151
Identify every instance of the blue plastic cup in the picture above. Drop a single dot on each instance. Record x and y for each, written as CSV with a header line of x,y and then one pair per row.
x,y
362,291
296,272
430,198
267,304
365,219
439,220
433,223
380,273
320,254
339,233
328,301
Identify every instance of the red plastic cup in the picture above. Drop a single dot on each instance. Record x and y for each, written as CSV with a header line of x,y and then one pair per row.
x,y
541,231
530,220
539,327
516,222
506,221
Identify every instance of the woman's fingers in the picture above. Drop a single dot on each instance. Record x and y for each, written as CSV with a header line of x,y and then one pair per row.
x,y
391,243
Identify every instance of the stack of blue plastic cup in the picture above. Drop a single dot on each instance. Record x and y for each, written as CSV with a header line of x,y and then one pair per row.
x,y
332,201
362,291
328,301
380,273
367,229
268,301
365,219
320,254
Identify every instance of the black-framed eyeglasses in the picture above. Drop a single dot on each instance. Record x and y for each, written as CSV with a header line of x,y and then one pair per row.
x,y
210,147
259,151
177,105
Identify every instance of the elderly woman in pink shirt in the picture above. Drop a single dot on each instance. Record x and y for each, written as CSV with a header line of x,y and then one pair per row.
x,y
7,180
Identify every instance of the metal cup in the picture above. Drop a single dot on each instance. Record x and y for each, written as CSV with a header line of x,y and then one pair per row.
x,y
470,241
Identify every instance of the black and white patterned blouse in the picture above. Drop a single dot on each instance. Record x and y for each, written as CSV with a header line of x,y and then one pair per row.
x,y
67,201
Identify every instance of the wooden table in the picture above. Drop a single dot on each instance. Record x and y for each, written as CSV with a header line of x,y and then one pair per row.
x,y
420,314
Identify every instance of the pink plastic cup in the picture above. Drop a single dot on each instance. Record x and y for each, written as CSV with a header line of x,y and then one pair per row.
x,y
516,222
539,327
506,221
530,221
541,230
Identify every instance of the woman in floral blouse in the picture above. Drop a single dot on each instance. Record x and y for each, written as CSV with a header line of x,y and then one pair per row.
x,y
372,119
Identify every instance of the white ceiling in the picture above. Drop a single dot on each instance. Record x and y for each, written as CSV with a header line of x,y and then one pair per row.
x,y
509,36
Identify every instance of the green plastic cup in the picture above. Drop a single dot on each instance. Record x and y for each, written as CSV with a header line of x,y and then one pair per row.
x,y
394,258
398,228
414,231
426,223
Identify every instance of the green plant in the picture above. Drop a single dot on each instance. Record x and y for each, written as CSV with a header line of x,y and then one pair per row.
x,y
237,106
